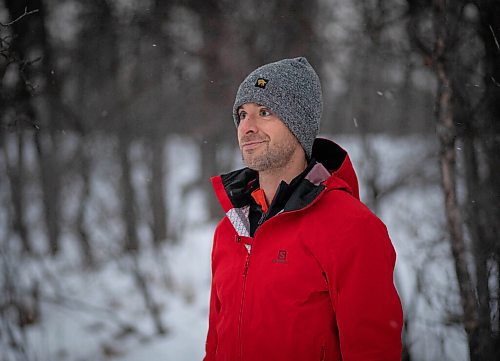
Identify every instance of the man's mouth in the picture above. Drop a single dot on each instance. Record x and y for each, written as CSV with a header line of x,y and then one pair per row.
x,y
251,144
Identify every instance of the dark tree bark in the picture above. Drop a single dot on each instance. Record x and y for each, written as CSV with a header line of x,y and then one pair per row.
x,y
131,242
447,133
210,168
489,32
157,191
467,125
16,176
84,241
47,152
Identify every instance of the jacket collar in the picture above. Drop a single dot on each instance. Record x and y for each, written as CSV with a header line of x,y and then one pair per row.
x,y
333,170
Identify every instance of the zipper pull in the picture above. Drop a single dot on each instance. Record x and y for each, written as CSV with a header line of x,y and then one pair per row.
x,y
261,220
245,270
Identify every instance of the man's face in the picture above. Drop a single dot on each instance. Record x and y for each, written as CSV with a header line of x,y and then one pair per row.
x,y
265,141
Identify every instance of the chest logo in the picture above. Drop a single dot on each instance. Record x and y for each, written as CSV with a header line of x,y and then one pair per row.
x,y
281,258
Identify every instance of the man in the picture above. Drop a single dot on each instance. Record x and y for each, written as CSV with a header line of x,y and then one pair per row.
x,y
301,269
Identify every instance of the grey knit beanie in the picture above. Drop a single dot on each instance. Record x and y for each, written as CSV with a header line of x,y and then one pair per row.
x,y
291,89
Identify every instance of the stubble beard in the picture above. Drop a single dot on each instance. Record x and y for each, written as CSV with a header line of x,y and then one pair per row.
x,y
274,157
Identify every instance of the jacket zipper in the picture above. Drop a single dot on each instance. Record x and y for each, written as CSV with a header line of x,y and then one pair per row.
x,y
245,272
247,261
323,353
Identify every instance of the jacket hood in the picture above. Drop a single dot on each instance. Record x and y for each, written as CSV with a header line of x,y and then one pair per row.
x,y
336,160
333,171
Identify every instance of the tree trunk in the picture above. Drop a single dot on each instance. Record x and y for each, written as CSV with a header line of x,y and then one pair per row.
x,y
157,191
16,176
481,248
209,168
131,242
447,133
489,31
50,180
83,236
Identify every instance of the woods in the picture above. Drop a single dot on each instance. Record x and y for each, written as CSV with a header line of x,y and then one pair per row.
x,y
114,114
461,115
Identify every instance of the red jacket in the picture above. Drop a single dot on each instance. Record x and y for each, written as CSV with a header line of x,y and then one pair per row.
x,y
317,283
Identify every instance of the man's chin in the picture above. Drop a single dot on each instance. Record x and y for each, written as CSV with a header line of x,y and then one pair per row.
x,y
256,163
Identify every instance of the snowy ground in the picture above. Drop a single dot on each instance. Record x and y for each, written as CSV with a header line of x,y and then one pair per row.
x,y
100,314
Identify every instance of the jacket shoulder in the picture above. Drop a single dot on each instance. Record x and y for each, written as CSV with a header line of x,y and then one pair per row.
x,y
342,221
341,204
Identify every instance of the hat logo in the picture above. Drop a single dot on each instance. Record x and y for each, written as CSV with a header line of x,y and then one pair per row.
x,y
261,83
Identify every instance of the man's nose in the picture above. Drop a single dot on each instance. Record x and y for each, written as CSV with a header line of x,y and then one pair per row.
x,y
248,125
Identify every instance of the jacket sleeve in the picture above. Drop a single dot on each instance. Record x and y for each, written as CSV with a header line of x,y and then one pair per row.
x,y
360,275
211,341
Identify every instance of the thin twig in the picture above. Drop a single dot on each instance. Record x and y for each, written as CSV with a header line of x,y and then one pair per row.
x,y
495,81
494,37
26,13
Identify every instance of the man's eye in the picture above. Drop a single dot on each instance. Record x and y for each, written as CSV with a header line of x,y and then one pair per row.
x,y
242,115
265,112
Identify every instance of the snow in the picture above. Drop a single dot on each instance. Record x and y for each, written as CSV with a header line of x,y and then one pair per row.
x,y
100,314
90,313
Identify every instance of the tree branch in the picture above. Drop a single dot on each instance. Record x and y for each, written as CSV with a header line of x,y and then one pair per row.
x,y
26,13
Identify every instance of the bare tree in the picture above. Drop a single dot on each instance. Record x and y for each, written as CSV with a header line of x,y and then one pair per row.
x,y
29,37
489,32
464,119
16,113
